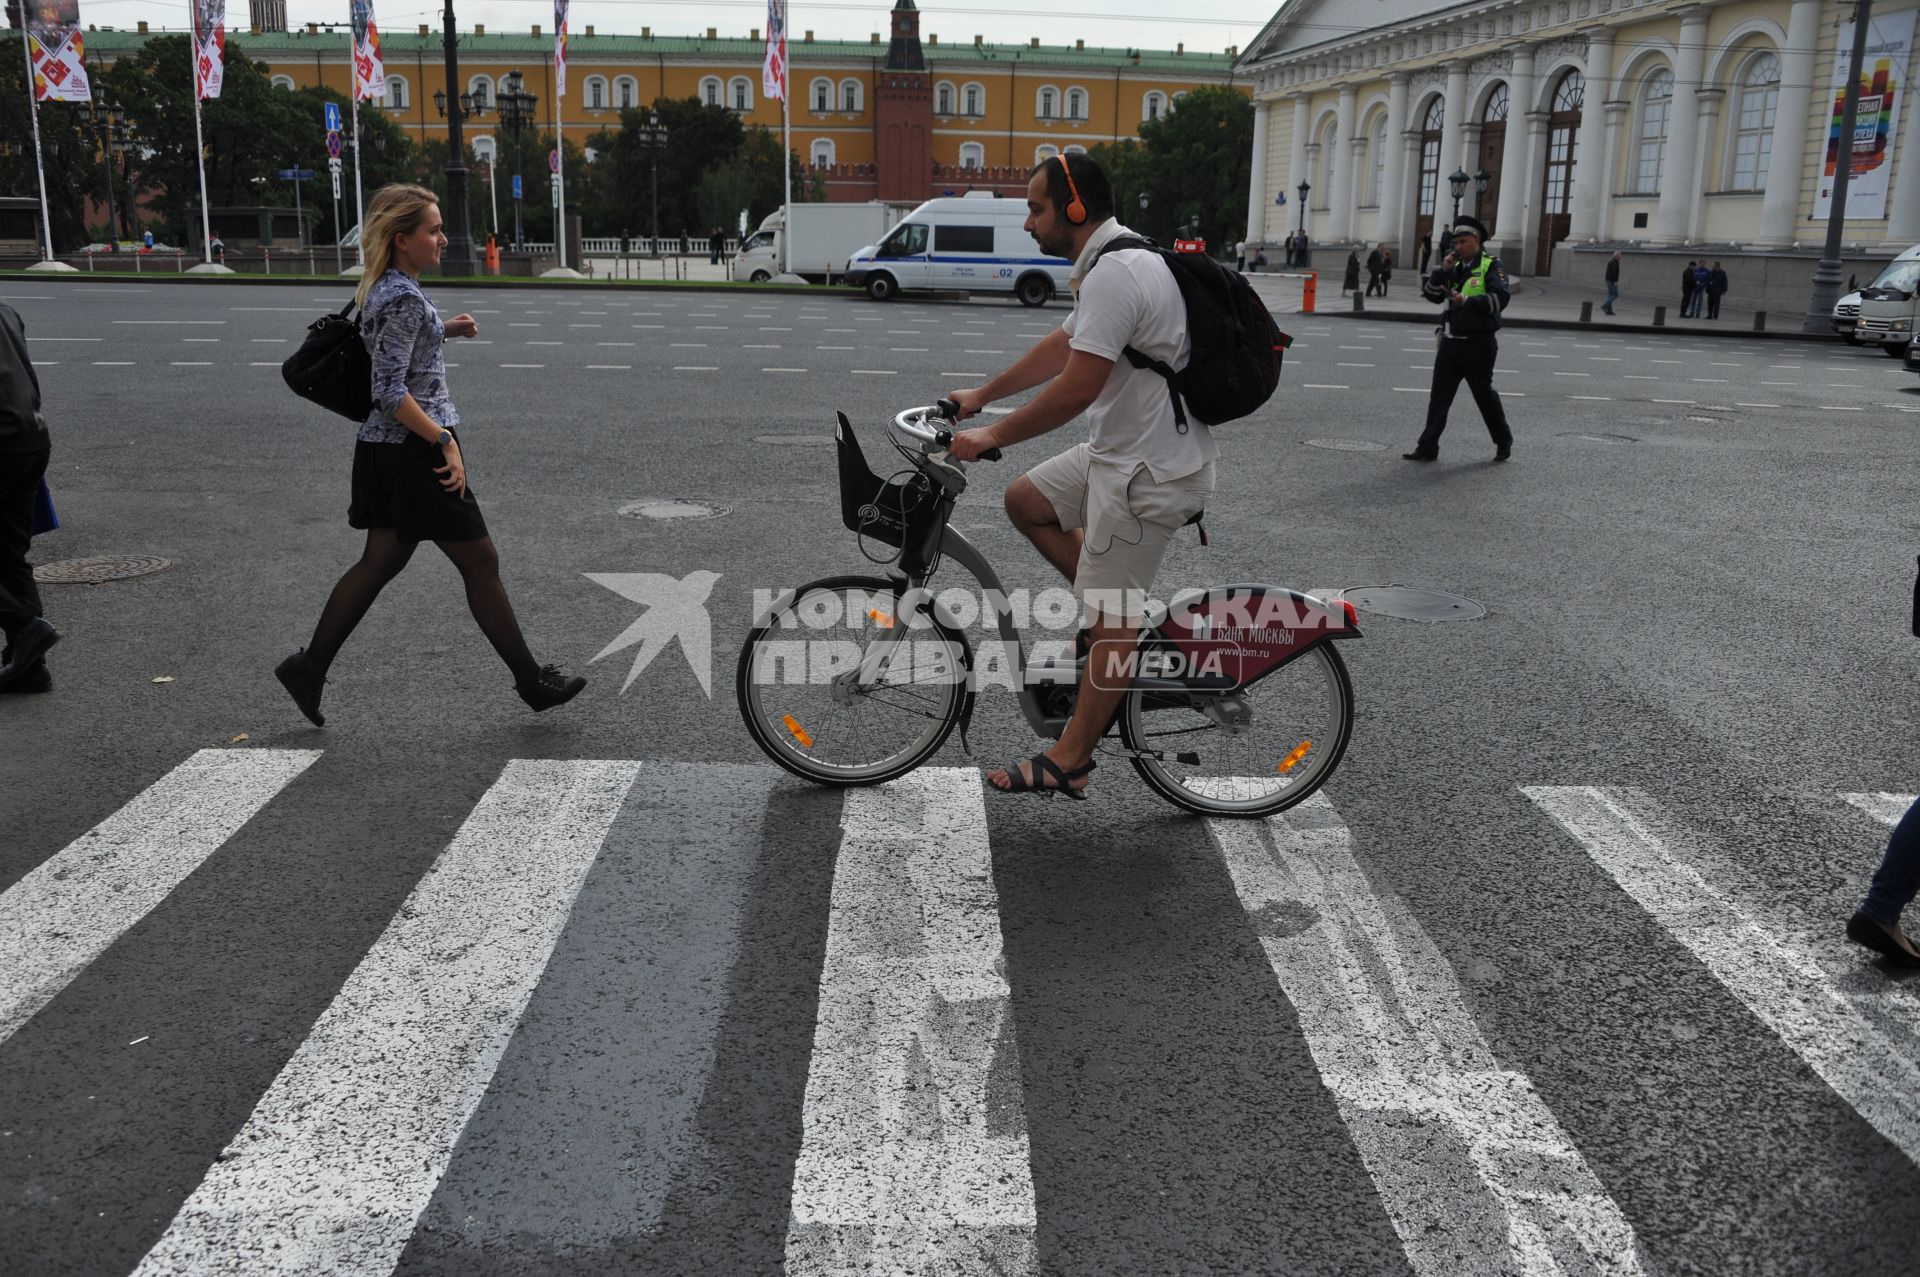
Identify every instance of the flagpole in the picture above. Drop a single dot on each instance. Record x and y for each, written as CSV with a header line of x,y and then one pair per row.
x,y
200,150
560,149
39,166
786,170
359,195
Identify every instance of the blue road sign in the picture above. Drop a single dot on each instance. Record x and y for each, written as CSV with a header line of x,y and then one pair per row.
x,y
333,117
333,145
295,174
516,186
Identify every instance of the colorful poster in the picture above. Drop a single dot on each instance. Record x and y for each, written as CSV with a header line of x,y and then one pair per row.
x,y
58,49
773,73
1883,80
369,73
209,45
560,49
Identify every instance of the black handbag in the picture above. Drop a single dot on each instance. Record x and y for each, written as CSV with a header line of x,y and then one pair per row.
x,y
332,367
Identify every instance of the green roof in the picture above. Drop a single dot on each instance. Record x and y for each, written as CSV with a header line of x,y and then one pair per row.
x,y
278,45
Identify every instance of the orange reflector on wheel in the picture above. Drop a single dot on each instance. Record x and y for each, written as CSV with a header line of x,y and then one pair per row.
x,y
1286,764
881,619
799,733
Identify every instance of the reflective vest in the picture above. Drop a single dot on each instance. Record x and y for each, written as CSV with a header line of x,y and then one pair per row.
x,y
1476,281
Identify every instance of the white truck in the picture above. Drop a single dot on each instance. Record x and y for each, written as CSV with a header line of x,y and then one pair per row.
x,y
825,236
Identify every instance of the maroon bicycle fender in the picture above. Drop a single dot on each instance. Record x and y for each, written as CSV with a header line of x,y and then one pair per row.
x,y
1244,632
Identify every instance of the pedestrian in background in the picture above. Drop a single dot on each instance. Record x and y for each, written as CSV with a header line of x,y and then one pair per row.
x,y
1686,289
1876,924
1716,289
1259,260
1701,278
1473,286
1373,271
716,245
1287,244
1240,256
1303,251
409,470
1426,253
1386,268
1613,284
25,446
1350,282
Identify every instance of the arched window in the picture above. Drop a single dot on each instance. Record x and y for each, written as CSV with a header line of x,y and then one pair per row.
x,y
1044,152
482,90
710,91
1076,149
972,155
626,93
596,93
283,82
1377,154
943,98
849,95
1571,93
822,96
1497,103
1323,182
740,93
973,96
823,152
1047,103
1176,99
1153,106
1753,122
396,93
1650,136
1076,104
1430,128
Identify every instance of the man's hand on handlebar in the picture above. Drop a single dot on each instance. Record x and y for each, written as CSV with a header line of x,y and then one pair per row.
x,y
967,445
969,401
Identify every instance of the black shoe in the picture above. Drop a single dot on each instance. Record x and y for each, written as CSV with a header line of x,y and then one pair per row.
x,y
34,678
1417,455
304,684
1606,310
1503,452
550,688
27,648
1865,929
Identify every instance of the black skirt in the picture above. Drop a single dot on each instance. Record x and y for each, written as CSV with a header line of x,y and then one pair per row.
x,y
394,486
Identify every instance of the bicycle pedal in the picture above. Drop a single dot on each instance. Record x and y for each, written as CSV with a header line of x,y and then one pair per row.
x,y
1188,757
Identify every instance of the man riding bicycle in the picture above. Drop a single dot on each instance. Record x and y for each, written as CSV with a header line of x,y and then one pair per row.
x,y
1101,512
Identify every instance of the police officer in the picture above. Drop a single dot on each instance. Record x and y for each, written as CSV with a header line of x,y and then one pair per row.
x,y
1473,285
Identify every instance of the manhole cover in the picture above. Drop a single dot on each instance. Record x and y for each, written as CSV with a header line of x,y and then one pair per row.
x,y
96,571
794,441
669,508
1598,438
1411,603
1346,445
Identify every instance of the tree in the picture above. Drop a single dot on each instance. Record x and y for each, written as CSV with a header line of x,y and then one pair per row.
x,y
388,156
71,157
1195,163
750,180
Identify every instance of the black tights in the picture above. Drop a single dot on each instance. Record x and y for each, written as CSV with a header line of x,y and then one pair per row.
x,y
385,557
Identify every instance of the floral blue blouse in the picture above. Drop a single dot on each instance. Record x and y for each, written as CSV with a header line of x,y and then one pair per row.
x,y
407,342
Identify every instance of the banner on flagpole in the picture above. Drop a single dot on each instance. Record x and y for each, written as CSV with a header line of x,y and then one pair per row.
x,y
209,45
58,48
369,73
773,72
560,49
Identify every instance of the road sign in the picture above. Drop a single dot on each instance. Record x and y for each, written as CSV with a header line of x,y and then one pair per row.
x,y
336,183
553,160
295,174
516,186
553,184
333,117
334,164
333,145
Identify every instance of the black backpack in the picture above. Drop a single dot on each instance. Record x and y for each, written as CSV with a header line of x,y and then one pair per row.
x,y
1237,348
332,367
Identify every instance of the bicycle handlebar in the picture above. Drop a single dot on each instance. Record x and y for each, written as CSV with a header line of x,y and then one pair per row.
x,y
913,422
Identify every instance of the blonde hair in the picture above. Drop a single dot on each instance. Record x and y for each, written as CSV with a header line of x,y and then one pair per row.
x,y
394,210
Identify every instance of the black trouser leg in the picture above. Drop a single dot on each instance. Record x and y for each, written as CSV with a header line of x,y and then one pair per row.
x,y
1478,358
1448,372
20,476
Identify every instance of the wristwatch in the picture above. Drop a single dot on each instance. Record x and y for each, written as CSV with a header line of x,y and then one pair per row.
x,y
446,437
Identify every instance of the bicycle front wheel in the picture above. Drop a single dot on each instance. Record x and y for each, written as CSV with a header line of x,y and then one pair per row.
x,y
810,708
1247,753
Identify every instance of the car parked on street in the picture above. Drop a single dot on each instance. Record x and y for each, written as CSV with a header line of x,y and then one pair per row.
x,y
1846,315
1890,305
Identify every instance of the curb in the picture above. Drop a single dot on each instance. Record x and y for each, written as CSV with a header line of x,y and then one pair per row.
x,y
1574,325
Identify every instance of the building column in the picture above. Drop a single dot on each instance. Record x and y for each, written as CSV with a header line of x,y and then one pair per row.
x,y
1680,181
1780,213
1516,183
1409,215
1256,230
1903,202
1616,113
1340,198
1452,156
1297,163
1590,196
1392,226
1537,122
1710,101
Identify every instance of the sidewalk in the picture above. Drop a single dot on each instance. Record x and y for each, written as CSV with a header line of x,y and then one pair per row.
x,y
1538,302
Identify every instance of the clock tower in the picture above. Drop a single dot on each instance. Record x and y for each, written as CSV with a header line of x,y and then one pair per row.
x,y
903,113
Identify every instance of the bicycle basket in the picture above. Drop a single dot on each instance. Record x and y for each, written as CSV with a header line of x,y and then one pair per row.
x,y
892,513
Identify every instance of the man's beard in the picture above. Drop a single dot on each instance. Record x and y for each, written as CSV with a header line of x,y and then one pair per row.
x,y
1060,245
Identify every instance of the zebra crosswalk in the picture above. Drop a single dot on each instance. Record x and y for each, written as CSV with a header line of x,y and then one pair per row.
x,y
580,1038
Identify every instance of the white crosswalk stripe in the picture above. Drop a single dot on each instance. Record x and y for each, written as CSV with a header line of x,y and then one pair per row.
x,y
1409,1068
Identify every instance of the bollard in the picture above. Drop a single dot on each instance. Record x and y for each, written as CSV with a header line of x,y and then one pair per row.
x,y
138,269
1759,321
1308,292
266,255
1586,312
1358,306
1659,316
178,267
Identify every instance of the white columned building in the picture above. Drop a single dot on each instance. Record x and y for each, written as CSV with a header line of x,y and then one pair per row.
x,y
1590,156
1340,200
1680,181
1391,226
1256,231
1509,217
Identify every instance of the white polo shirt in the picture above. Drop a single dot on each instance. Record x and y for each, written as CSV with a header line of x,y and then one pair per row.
x,y
1131,299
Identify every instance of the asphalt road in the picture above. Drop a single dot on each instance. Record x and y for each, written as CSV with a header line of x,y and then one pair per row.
x,y
1549,980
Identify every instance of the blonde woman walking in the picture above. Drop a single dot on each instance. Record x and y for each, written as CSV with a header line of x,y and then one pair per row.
x,y
409,473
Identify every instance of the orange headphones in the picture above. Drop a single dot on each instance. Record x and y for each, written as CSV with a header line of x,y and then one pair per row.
x,y
1075,211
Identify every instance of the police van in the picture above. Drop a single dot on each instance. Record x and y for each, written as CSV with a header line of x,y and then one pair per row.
x,y
973,242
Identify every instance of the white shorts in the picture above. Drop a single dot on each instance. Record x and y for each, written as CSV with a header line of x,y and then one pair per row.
x,y
1127,518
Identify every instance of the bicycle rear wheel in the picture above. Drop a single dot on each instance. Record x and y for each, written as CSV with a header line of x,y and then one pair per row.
x,y
799,696
1248,753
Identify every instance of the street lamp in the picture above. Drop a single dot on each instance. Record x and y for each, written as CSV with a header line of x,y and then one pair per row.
x,y
1458,181
1303,188
1481,181
515,106
109,123
653,137
458,259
